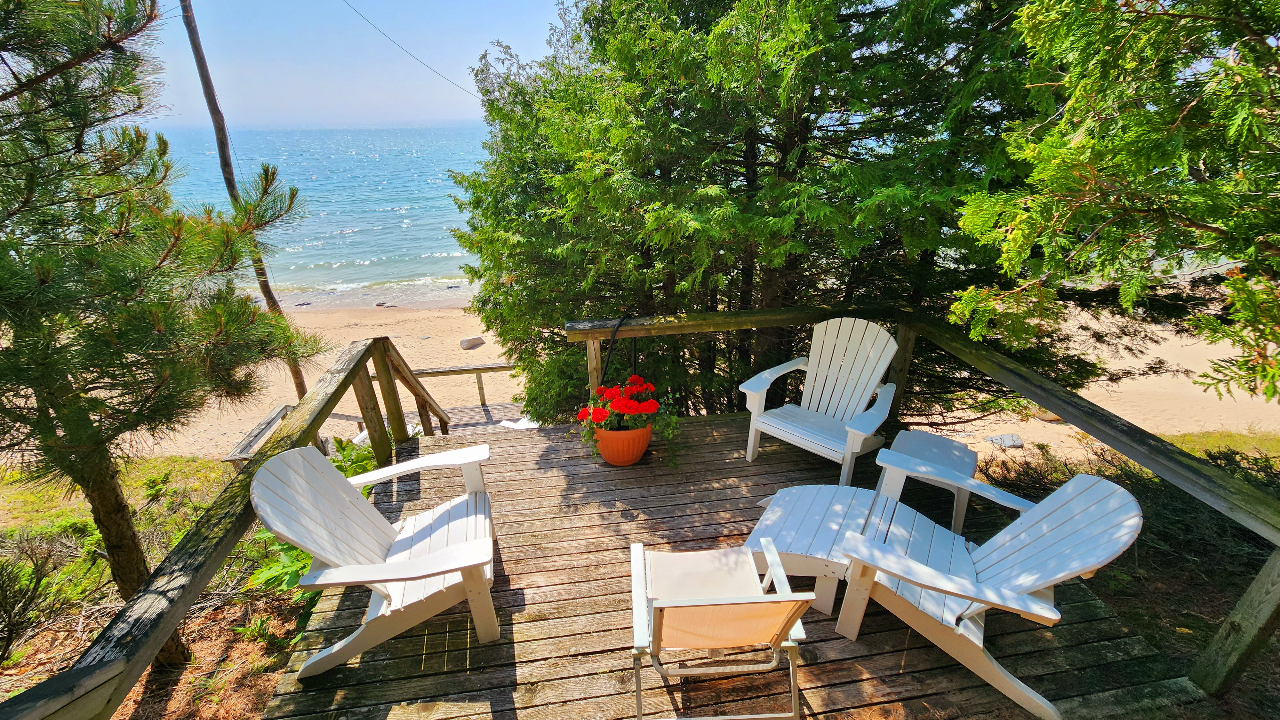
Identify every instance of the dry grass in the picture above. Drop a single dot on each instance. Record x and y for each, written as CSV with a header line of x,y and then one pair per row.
x,y
231,676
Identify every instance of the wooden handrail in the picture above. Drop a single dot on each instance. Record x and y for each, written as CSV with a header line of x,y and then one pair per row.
x,y
1254,619
244,449
584,330
79,693
104,674
1213,486
464,370
477,370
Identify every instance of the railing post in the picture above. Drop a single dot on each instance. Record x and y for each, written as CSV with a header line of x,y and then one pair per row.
x,y
362,386
427,406
1243,634
900,367
390,397
593,365
480,387
424,416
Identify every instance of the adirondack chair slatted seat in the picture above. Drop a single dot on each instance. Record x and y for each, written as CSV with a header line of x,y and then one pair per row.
x,y
417,567
808,523
847,359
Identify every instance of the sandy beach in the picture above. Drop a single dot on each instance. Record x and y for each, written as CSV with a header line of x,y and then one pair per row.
x,y
1163,404
428,336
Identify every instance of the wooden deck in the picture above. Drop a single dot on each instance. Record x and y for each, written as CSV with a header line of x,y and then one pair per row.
x,y
564,522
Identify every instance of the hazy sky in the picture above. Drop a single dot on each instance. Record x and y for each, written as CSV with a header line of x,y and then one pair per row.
x,y
316,64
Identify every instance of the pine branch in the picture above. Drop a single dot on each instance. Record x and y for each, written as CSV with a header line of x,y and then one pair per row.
x,y
108,43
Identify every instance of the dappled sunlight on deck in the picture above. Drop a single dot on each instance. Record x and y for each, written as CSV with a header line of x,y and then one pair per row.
x,y
564,522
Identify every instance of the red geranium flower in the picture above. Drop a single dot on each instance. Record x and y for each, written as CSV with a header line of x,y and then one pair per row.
x,y
635,380
649,387
631,390
599,389
599,415
584,413
649,406
626,406
612,393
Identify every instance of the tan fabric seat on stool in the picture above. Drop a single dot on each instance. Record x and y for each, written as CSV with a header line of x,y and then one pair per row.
x,y
713,600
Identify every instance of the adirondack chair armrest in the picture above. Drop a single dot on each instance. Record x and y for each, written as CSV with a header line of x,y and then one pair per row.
x,y
639,599
915,467
776,574
859,549
868,421
462,457
757,385
451,559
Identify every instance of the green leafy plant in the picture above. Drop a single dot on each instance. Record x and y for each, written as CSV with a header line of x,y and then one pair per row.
x,y
155,487
352,458
281,573
257,630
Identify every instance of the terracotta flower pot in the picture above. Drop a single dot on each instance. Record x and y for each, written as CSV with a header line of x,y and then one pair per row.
x,y
623,447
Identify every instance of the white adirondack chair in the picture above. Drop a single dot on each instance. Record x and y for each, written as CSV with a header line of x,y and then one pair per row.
x,y
847,359
417,567
941,586
809,523
713,600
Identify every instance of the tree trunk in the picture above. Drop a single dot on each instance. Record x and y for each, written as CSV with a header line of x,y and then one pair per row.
x,y
99,478
747,288
229,174
707,354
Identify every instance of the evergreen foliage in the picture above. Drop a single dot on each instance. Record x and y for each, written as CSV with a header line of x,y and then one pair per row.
x,y
118,312
674,156
1162,160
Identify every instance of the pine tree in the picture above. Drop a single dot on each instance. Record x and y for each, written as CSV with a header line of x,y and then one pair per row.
x,y
696,156
1161,160
118,311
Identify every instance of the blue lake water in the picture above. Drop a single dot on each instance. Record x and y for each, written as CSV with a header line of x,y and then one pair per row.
x,y
378,206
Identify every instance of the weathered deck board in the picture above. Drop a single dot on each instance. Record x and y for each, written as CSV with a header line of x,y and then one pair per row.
x,y
562,591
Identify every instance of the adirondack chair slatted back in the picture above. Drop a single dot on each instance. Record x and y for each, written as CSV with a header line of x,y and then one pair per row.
x,y
1080,527
302,498
847,361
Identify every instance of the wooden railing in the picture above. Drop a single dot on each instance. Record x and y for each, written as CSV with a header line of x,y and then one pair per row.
x,y
1254,619
477,370
103,675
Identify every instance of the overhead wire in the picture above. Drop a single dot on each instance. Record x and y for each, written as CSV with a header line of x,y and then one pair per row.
x,y
406,51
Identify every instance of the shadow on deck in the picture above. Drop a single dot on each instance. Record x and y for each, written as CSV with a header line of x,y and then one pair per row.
x,y
564,522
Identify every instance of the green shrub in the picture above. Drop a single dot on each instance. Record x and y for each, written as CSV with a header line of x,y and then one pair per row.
x,y
352,458
25,596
